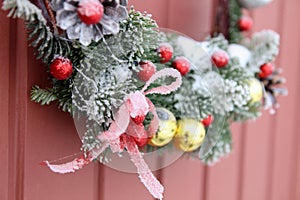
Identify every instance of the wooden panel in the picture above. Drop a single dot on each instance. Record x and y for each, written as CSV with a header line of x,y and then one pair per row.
x,y
264,165
224,178
286,133
157,8
184,180
259,134
31,133
51,135
17,114
193,17
4,102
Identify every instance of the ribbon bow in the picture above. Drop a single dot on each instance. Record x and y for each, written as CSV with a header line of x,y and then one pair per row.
x,y
127,126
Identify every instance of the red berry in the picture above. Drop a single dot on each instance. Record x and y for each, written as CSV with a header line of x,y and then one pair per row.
x,y
61,68
139,119
245,23
90,11
141,142
148,69
165,52
266,70
182,65
208,120
220,58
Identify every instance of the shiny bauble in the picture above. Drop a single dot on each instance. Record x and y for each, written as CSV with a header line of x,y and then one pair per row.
x,y
266,70
190,135
253,3
167,128
255,89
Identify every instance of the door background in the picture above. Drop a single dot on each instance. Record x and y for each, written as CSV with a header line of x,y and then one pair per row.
x,y
264,164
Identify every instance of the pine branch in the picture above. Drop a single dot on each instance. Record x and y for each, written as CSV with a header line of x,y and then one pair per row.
x,y
47,45
235,14
43,96
23,9
222,147
264,47
50,95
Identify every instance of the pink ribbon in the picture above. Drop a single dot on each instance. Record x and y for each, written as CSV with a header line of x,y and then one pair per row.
x,y
127,126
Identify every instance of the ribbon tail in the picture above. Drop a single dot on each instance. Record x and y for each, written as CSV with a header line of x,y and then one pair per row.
x,y
145,174
77,163
68,167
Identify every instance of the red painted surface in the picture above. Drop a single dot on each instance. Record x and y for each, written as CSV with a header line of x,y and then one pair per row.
x,y
264,165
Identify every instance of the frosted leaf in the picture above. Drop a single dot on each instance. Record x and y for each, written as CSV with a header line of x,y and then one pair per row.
x,y
109,26
86,34
66,20
74,31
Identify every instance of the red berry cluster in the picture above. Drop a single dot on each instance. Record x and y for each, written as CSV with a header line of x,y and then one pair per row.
x,y
180,63
165,52
266,70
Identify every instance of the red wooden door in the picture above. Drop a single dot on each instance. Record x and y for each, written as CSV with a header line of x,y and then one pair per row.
x,y
264,164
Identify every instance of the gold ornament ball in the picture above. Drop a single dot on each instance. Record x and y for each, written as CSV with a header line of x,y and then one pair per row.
x,y
190,135
255,89
167,128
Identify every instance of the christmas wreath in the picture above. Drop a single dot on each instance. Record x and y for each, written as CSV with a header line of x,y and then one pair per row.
x,y
135,89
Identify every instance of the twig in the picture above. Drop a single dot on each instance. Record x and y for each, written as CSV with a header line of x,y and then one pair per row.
x,y
52,17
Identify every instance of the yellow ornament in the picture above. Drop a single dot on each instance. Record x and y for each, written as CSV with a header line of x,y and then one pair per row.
x,y
167,128
255,89
190,135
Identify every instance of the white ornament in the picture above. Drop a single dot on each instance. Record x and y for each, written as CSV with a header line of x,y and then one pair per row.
x,y
254,3
240,52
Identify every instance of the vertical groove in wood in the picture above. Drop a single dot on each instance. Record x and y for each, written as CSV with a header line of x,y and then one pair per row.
x,y
99,184
204,183
242,162
17,110
4,102
295,192
270,164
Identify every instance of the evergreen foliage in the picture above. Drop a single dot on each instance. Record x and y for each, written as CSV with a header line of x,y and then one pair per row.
x,y
106,71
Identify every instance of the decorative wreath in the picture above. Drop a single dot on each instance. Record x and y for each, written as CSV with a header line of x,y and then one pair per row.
x,y
135,89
